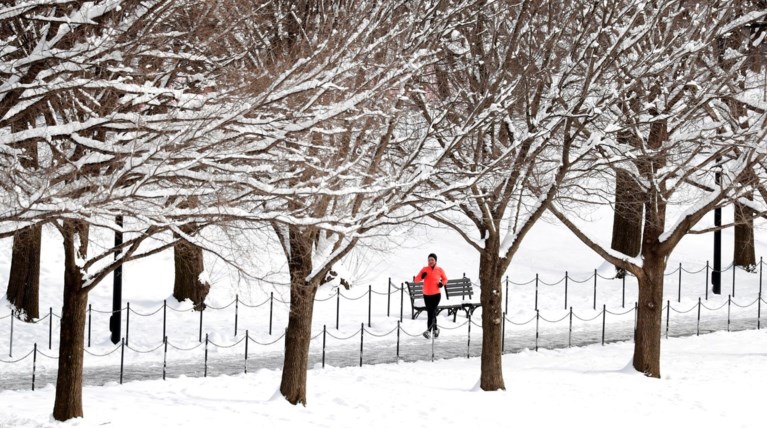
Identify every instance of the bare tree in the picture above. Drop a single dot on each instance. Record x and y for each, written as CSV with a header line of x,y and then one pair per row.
x,y
677,94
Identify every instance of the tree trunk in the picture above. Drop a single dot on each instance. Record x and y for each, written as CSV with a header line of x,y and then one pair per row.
x,y
627,218
744,252
298,334
189,264
69,383
649,316
24,277
491,270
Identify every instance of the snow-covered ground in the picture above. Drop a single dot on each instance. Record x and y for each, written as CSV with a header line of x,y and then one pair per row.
x,y
585,385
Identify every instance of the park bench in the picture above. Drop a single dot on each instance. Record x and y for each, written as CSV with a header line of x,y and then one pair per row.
x,y
458,293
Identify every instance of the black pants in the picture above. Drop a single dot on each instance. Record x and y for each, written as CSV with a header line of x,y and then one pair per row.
x,y
431,310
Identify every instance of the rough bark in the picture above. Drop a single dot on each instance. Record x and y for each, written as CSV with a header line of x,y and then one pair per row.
x,y
744,252
68,403
649,315
491,270
189,264
627,218
24,277
298,334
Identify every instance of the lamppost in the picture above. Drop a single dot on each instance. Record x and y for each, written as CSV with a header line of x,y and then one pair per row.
x,y
716,274
115,321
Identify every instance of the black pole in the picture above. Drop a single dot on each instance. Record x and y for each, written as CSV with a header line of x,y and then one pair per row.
x,y
236,312
566,278
398,328
90,312
668,315
503,333
759,312
507,294
716,273
324,334
636,308
271,310
370,302
34,366
164,316
362,340
570,332
604,317
117,287
537,320
127,323
679,292
468,342
536,291
595,290
734,268
401,300
623,299
200,324
164,356
729,303
10,350
205,373
122,359
698,327
247,339
388,299
338,305
50,328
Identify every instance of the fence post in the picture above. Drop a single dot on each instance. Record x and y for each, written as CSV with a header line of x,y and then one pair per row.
x,y
734,268
706,280
566,279
570,332
623,299
398,329
10,349
401,300
164,316
205,373
324,333
247,339
362,340
127,324
271,309
388,299
536,291
503,333
760,276
679,292
537,321
729,302
636,308
338,305
50,328
201,311
668,316
370,302
604,317
507,294
468,342
236,312
698,327
34,366
164,356
122,359
759,311
595,290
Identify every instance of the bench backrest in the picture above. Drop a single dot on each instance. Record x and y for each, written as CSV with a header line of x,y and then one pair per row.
x,y
454,288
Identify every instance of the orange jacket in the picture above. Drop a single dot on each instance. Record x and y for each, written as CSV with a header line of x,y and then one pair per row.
x,y
431,281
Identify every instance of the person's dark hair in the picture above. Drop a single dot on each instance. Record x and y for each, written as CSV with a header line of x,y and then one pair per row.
x,y
432,255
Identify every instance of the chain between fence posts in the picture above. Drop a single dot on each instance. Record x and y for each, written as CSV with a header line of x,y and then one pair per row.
x,y
127,324
338,306
164,356
247,339
50,328
536,291
604,318
595,290
205,372
388,299
90,312
570,332
362,340
398,330
236,312
566,280
10,348
324,337
201,311
122,358
698,326
370,302
706,280
537,320
729,302
164,316
34,366
668,315
271,309
679,292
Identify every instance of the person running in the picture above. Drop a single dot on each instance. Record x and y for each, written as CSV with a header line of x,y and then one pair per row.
x,y
433,278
